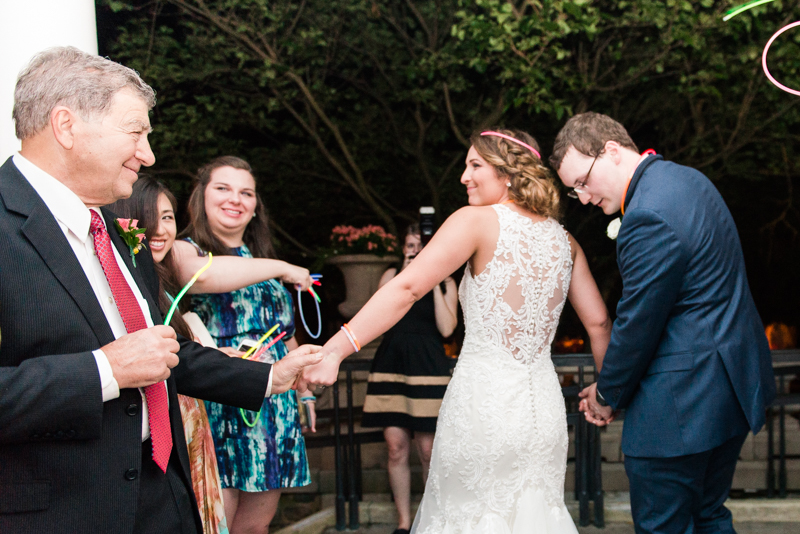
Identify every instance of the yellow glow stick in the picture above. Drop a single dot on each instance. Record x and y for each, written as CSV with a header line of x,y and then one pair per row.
x,y
186,288
252,349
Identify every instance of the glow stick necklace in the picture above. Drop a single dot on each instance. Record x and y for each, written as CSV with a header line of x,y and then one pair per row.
x,y
186,288
764,60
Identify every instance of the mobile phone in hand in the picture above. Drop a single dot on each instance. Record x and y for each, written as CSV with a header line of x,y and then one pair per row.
x,y
246,344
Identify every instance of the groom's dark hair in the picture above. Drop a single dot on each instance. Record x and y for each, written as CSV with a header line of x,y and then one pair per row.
x,y
588,133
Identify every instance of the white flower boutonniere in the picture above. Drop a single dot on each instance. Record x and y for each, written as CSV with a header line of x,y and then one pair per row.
x,y
613,228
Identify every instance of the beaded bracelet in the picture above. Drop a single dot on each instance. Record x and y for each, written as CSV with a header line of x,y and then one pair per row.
x,y
308,399
352,337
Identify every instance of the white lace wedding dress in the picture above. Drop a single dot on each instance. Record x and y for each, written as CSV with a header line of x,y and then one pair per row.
x,y
500,451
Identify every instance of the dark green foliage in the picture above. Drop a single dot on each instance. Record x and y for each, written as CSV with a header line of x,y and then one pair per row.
x,y
358,111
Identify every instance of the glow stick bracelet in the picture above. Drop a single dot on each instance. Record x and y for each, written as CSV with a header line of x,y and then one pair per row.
x,y
186,288
316,283
252,349
744,7
316,297
764,60
316,276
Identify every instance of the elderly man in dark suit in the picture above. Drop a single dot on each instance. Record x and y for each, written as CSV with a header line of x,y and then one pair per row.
x,y
688,358
91,438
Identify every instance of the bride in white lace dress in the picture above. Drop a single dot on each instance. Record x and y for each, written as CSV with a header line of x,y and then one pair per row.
x,y
500,450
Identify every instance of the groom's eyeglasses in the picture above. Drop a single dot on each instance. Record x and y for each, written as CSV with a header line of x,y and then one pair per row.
x,y
580,186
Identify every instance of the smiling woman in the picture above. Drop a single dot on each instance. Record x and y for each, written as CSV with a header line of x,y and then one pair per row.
x,y
260,453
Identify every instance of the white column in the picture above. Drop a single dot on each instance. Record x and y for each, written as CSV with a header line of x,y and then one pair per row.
x,y
28,27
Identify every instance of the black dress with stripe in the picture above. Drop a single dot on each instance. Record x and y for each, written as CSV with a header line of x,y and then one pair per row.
x,y
409,374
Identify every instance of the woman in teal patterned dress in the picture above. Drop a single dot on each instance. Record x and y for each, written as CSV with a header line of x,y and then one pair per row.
x,y
255,462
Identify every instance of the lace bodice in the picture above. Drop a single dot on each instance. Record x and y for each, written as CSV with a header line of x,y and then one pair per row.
x,y
515,303
500,452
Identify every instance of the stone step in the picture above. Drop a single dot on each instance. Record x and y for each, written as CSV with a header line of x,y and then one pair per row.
x,y
753,516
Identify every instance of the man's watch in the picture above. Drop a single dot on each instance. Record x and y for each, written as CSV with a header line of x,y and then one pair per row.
x,y
600,400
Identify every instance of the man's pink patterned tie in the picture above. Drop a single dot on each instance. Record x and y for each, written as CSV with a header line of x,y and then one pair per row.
x,y
132,317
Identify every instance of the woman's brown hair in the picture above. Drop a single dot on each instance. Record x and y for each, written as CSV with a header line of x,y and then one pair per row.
x,y
532,184
143,205
257,235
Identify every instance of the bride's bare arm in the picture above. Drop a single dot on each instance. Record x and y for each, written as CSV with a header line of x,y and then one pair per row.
x,y
229,273
456,241
588,304
445,307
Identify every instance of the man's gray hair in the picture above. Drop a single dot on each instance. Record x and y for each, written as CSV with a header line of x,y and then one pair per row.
x,y
66,76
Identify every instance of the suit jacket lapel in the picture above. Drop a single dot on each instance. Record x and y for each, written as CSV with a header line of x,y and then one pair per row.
x,y
45,234
637,175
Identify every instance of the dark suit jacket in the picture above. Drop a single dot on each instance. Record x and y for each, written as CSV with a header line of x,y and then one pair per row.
x,y
65,455
688,357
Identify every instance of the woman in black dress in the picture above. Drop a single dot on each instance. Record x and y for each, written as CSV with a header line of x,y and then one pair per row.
x,y
408,379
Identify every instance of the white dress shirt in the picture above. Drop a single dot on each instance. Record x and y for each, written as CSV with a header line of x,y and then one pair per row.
x,y
74,219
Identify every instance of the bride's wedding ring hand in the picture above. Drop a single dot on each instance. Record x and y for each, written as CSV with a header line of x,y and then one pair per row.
x,y
323,374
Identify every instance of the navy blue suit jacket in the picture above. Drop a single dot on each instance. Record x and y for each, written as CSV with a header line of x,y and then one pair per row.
x,y
688,357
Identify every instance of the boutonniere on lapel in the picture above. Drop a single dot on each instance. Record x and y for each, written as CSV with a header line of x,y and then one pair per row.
x,y
132,235
613,228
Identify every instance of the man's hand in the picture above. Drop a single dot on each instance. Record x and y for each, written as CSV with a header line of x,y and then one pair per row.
x,y
594,413
230,351
144,357
324,373
287,371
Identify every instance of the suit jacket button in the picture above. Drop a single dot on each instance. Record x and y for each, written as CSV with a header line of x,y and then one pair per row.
x,y
48,435
132,409
131,474
70,433
35,436
60,434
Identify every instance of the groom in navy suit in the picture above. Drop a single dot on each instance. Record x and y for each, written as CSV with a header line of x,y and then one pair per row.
x,y
688,358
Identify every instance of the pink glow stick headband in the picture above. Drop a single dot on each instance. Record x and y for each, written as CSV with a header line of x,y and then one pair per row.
x,y
514,140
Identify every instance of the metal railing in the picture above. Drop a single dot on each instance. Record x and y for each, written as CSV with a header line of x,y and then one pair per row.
x,y
347,448
785,363
587,456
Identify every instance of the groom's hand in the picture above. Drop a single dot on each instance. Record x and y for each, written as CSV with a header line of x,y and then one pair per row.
x,y
594,413
286,371
144,357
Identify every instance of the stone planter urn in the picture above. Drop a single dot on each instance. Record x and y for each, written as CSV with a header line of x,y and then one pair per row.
x,y
362,272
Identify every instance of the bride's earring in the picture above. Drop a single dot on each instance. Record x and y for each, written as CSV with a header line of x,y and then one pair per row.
x,y
508,184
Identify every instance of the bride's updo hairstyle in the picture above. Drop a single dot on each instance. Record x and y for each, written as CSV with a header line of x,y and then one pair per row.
x,y
532,185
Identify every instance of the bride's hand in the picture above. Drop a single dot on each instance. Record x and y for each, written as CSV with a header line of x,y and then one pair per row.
x,y
594,413
324,373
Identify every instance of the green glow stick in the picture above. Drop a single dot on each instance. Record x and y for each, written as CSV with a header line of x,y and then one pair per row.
x,y
247,355
314,293
186,288
244,418
742,8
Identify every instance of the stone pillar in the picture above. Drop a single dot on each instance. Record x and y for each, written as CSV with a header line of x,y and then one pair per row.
x,y
28,27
